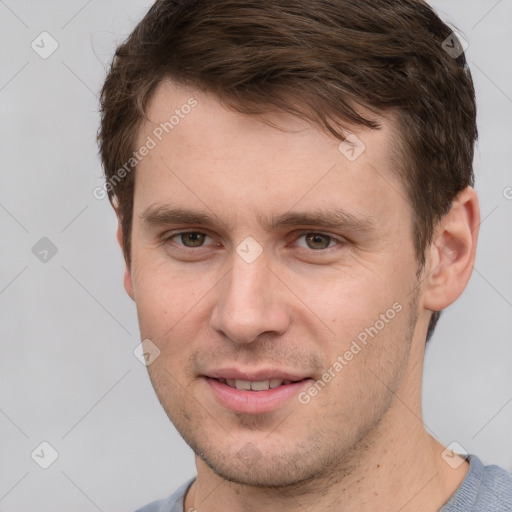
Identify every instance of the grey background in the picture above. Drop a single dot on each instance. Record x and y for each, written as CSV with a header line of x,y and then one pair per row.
x,y
68,373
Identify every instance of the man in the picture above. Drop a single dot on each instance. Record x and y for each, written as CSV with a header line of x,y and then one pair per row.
x,y
293,183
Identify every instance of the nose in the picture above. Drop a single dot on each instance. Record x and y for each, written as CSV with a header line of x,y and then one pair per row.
x,y
251,302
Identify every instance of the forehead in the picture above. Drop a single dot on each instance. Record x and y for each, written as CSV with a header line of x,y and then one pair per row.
x,y
206,153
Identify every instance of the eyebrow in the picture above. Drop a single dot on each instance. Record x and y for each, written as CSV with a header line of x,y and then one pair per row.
x,y
326,218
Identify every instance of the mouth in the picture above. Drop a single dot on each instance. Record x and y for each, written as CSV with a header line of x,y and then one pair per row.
x,y
254,394
256,385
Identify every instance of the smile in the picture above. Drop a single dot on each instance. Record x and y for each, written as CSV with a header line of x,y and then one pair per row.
x,y
254,396
259,385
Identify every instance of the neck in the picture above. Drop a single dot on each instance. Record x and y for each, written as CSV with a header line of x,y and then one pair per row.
x,y
397,466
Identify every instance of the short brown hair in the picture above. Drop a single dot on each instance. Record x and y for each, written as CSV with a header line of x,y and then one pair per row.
x,y
320,60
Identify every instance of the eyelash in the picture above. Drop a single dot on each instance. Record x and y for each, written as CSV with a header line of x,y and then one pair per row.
x,y
170,238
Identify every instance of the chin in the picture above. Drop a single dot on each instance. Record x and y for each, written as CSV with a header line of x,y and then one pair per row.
x,y
265,472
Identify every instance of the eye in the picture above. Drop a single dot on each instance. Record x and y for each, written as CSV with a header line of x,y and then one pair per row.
x,y
312,240
318,241
189,238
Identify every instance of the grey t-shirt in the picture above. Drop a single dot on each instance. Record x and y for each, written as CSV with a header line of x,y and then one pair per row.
x,y
484,489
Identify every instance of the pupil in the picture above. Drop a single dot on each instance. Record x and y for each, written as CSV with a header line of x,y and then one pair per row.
x,y
194,239
316,239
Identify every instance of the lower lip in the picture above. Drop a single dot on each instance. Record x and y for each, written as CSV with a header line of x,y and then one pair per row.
x,y
254,402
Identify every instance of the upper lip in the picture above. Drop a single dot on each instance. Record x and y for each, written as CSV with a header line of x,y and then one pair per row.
x,y
255,375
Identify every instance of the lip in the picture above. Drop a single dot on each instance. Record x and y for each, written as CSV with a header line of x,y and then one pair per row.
x,y
254,402
255,375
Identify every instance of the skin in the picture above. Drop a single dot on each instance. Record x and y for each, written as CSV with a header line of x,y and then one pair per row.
x,y
360,443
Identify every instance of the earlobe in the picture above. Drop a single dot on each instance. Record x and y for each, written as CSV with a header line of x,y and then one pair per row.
x,y
127,280
452,253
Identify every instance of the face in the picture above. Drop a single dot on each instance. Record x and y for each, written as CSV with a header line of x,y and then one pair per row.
x,y
274,273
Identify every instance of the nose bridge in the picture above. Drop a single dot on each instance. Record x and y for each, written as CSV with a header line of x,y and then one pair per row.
x,y
248,302
245,282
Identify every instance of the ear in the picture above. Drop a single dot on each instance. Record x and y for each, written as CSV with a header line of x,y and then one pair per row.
x,y
127,280
451,256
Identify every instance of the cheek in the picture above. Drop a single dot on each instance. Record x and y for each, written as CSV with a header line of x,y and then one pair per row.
x,y
349,304
369,322
371,352
168,301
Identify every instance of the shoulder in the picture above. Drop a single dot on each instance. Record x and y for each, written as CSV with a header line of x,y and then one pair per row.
x,y
174,503
496,488
484,489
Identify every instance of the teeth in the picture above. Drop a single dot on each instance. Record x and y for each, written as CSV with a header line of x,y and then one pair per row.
x,y
260,385
274,383
243,384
